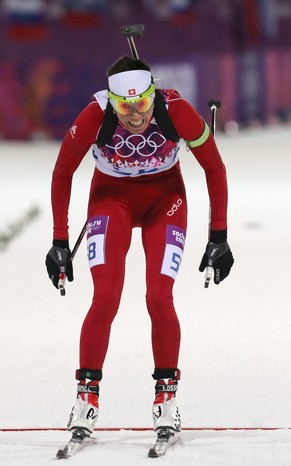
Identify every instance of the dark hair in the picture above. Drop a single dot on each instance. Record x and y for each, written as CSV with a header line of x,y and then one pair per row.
x,y
127,63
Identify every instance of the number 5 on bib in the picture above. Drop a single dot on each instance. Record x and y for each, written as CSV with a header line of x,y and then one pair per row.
x,y
175,241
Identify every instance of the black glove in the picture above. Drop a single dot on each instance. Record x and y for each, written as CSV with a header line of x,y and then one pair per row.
x,y
58,260
217,255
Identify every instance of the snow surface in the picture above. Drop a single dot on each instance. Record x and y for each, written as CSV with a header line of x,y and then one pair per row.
x,y
236,337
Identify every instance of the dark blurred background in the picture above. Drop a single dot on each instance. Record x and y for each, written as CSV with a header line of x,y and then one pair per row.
x,y
54,55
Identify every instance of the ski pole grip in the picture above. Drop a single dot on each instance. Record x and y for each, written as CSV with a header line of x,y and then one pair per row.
x,y
214,104
133,30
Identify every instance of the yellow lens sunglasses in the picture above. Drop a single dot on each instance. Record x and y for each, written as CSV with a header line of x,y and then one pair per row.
x,y
140,103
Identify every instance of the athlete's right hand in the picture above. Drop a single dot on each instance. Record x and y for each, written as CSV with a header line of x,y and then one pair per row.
x,y
58,261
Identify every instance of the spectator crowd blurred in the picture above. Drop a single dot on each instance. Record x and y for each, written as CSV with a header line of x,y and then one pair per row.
x,y
258,20
54,54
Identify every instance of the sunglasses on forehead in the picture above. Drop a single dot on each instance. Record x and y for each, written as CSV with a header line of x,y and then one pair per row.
x,y
140,103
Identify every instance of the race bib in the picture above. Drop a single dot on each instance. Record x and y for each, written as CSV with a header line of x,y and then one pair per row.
x,y
175,241
96,239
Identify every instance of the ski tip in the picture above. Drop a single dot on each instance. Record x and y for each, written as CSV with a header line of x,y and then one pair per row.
x,y
152,453
61,455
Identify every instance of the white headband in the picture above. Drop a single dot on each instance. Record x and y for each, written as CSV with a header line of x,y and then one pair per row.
x,y
130,83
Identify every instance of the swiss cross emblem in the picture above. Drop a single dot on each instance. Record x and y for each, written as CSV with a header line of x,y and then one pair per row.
x,y
131,91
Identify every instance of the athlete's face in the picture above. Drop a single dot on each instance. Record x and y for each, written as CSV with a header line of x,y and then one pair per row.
x,y
136,122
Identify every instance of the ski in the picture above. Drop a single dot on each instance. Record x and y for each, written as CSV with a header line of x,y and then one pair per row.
x,y
165,439
74,444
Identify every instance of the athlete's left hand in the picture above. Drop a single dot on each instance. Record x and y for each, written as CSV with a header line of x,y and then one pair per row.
x,y
219,256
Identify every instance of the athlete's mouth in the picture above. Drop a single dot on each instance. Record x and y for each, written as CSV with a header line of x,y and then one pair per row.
x,y
136,124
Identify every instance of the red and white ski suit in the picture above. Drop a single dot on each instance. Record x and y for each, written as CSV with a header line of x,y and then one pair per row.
x,y
137,182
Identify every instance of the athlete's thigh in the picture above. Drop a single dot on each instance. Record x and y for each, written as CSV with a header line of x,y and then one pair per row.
x,y
164,233
109,233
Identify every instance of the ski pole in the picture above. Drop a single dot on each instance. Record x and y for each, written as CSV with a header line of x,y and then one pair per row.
x,y
79,240
214,105
62,275
131,31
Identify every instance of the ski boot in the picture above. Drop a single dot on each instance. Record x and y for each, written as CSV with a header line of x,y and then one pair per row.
x,y
165,410
84,413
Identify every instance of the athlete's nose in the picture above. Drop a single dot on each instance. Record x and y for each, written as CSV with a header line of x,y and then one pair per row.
x,y
134,110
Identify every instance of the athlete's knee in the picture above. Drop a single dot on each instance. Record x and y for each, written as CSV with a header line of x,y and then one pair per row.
x,y
106,295
159,297
159,285
104,308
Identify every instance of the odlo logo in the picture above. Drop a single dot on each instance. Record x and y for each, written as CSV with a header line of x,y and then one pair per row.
x,y
175,207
